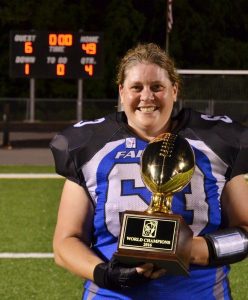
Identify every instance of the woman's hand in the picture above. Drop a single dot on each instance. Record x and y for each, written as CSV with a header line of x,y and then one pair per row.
x,y
149,271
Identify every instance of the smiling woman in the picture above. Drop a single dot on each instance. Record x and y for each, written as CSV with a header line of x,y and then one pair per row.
x,y
101,161
148,87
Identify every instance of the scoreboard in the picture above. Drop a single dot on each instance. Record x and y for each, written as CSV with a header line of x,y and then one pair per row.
x,y
53,54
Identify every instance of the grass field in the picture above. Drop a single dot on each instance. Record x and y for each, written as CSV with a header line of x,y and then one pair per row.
x,y
28,209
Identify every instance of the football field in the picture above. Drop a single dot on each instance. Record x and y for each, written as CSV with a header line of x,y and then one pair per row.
x,y
28,209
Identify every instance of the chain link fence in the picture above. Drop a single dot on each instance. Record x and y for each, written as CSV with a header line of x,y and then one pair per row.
x,y
64,110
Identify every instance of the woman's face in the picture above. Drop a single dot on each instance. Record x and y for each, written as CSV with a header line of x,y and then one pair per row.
x,y
147,96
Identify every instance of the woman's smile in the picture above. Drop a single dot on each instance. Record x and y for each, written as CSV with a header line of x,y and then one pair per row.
x,y
147,109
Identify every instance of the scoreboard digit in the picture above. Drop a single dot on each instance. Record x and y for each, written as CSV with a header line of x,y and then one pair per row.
x,y
49,54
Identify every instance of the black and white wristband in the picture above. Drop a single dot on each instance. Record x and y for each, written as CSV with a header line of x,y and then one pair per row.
x,y
227,246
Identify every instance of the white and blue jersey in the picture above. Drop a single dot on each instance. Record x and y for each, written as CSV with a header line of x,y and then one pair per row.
x,y
103,156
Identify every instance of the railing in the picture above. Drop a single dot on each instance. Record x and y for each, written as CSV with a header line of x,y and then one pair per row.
x,y
236,109
57,109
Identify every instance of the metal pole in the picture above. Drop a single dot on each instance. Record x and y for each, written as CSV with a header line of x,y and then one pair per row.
x,y
80,100
211,107
32,100
6,141
119,107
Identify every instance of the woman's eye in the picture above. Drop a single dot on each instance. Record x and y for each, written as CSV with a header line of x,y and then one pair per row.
x,y
156,88
136,88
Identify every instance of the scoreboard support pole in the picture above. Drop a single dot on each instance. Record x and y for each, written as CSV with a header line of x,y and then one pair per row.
x,y
80,100
32,101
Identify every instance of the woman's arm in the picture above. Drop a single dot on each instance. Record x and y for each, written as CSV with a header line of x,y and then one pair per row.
x,y
235,202
235,208
72,235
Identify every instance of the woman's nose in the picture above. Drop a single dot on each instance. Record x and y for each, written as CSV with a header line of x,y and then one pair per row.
x,y
146,95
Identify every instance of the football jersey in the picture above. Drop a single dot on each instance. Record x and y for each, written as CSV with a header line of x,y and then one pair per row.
x,y
103,156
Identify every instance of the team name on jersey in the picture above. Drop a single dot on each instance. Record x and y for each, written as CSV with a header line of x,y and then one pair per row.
x,y
129,154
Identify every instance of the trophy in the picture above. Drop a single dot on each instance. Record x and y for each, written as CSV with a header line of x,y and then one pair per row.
x,y
157,235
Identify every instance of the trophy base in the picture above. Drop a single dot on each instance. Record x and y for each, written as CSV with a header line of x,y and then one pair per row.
x,y
159,238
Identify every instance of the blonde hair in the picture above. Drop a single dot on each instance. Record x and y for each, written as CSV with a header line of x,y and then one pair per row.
x,y
147,53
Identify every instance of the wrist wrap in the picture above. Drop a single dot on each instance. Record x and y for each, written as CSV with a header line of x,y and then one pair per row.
x,y
116,276
227,246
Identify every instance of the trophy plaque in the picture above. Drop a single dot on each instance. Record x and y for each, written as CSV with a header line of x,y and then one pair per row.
x,y
157,235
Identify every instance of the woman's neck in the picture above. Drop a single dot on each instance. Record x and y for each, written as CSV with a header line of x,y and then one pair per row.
x,y
149,135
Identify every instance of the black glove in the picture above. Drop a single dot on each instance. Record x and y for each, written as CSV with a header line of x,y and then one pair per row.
x,y
116,276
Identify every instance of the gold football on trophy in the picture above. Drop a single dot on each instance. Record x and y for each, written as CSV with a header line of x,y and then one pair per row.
x,y
167,165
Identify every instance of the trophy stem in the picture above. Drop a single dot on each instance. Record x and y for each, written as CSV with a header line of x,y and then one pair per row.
x,y
160,203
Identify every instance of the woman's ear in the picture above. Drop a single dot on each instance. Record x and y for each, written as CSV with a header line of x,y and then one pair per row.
x,y
120,91
175,91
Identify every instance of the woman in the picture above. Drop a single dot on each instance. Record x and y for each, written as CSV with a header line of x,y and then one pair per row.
x,y
100,160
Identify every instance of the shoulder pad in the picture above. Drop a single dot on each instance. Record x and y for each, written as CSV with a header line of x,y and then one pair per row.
x,y
76,144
